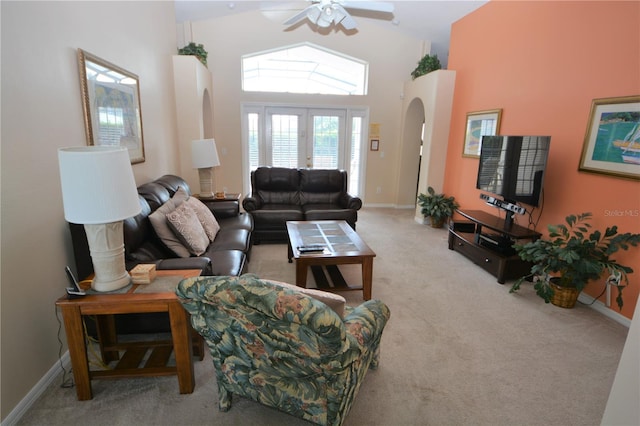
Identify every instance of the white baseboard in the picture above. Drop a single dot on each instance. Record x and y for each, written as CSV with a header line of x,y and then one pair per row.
x,y
600,307
54,373
390,206
379,205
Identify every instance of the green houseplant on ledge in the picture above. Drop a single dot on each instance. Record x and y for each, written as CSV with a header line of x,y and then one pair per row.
x,y
427,64
574,255
437,207
196,50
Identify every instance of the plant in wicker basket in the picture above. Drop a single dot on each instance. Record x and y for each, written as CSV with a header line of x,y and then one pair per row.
x,y
574,255
437,207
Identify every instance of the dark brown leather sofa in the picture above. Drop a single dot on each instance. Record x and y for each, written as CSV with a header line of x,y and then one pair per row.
x,y
282,194
226,255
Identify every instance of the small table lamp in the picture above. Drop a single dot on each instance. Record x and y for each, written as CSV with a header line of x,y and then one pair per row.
x,y
99,191
204,157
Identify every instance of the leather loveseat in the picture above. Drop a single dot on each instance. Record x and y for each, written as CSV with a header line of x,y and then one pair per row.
x,y
281,194
226,255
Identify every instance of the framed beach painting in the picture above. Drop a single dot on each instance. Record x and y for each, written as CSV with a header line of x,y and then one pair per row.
x,y
111,104
612,141
479,124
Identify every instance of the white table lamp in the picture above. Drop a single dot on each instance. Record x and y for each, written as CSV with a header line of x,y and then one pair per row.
x,y
99,191
204,157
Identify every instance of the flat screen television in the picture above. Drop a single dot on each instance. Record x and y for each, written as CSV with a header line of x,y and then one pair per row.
x,y
513,167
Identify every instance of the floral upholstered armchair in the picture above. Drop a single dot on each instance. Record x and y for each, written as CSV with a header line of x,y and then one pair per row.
x,y
278,345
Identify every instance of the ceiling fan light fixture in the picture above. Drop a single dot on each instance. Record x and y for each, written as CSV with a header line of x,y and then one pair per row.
x,y
327,17
324,13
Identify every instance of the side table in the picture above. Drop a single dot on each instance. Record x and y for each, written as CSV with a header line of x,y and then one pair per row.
x,y
146,300
228,196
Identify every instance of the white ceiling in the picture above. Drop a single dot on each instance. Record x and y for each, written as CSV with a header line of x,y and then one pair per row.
x,y
426,20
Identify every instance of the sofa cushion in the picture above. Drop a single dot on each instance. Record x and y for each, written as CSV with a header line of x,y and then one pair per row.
x,y
276,215
159,222
172,183
329,212
240,221
187,227
231,239
206,218
323,181
147,252
155,194
227,262
136,229
328,198
276,185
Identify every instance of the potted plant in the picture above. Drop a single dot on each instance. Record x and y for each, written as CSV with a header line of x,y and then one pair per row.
x,y
574,255
196,50
427,64
437,207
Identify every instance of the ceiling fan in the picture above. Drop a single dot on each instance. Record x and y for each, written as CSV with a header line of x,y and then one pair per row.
x,y
324,13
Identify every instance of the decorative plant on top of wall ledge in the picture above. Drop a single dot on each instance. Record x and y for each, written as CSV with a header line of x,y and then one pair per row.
x,y
196,50
427,64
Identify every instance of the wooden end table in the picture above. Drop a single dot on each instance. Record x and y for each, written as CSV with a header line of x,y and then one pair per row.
x,y
342,246
104,307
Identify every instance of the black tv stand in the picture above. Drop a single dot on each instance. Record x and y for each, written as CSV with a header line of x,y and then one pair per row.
x,y
487,240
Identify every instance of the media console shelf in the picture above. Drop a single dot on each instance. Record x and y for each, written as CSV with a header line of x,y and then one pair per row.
x,y
486,241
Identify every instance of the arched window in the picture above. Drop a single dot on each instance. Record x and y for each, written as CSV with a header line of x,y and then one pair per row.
x,y
304,68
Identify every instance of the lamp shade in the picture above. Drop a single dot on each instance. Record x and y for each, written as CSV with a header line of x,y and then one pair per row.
x,y
97,184
204,154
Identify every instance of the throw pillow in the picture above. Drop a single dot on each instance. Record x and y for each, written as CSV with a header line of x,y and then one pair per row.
x,y
185,224
206,218
159,223
180,196
334,301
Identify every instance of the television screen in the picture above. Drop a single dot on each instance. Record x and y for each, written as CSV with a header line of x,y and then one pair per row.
x,y
513,167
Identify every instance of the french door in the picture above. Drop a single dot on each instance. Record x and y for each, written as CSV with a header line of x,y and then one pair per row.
x,y
315,138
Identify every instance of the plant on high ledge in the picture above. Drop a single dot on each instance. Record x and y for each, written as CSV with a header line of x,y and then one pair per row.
x,y
196,50
564,264
437,207
427,64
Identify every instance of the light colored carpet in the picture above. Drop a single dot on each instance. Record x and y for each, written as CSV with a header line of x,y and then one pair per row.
x,y
458,350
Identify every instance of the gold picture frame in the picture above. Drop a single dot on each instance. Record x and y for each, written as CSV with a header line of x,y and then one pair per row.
x,y
111,105
480,123
612,140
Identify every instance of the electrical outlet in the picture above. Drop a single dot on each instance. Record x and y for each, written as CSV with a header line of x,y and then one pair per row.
x,y
379,190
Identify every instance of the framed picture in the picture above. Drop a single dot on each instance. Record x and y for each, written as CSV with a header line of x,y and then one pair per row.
x,y
612,142
111,104
479,124
375,144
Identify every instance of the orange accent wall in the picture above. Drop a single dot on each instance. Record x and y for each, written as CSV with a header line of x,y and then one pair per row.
x,y
543,63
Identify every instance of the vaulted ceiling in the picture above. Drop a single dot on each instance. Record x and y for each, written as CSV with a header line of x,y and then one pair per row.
x,y
425,20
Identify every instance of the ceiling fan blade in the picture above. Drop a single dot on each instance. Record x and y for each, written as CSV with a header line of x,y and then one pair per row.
x,y
344,18
376,6
298,16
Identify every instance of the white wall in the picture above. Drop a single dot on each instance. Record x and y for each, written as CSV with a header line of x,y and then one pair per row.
x,y
391,57
623,407
434,91
41,111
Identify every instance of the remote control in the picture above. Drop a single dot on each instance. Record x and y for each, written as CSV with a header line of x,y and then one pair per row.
x,y
311,248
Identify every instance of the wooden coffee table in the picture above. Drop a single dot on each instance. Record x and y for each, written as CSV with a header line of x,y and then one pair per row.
x,y
142,298
341,246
